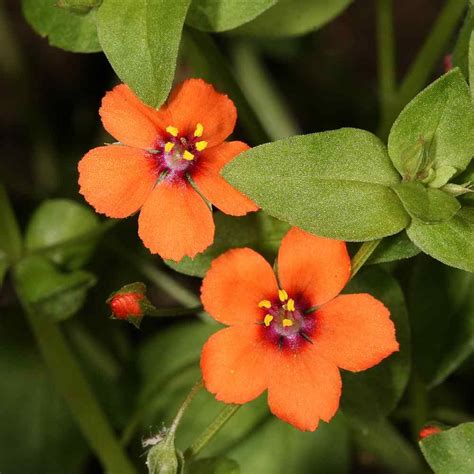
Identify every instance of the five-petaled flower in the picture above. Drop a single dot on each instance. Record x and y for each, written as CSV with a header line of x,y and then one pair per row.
x,y
292,335
161,158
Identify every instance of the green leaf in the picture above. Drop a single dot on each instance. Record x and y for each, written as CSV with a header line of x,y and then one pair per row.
x,y
335,184
141,40
450,242
441,304
443,116
10,236
461,49
37,432
451,451
294,17
371,395
53,294
216,465
257,231
79,7
395,247
222,15
64,29
427,204
57,222
471,59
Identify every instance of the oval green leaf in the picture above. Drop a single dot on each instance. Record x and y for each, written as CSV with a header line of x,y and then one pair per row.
x,y
60,221
335,184
141,40
451,451
450,242
443,116
294,17
427,204
64,29
222,15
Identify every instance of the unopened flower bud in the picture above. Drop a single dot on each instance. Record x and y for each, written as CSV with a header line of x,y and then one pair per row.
x,y
129,303
448,62
428,430
126,305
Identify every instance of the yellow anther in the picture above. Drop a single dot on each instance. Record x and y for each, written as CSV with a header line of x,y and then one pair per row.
x,y
265,304
290,306
287,323
199,130
202,145
172,131
188,155
268,319
168,147
283,295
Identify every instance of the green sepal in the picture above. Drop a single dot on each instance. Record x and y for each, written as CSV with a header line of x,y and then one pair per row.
x,y
164,458
52,293
427,204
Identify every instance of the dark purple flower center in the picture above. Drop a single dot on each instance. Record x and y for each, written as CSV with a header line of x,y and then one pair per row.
x,y
175,155
285,322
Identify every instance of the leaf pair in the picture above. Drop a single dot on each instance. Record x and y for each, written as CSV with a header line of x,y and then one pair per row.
x,y
344,184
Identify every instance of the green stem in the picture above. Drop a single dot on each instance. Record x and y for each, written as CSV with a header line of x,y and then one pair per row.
x,y
208,434
386,55
422,67
418,404
362,255
184,406
209,63
73,386
170,312
262,92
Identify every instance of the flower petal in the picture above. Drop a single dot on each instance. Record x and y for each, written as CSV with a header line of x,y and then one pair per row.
x,y
129,120
304,388
175,221
116,180
234,364
355,332
234,285
312,267
195,101
214,187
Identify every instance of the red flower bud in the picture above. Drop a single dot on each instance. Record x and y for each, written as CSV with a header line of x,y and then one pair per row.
x,y
428,431
126,305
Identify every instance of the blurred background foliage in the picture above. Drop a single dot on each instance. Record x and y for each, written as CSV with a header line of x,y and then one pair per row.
x,y
49,119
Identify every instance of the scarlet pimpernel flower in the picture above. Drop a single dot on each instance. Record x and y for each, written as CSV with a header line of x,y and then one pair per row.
x,y
290,335
166,165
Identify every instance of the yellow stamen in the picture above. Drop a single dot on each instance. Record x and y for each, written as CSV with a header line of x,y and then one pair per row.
x,y
290,306
172,131
202,145
283,295
188,155
168,147
268,319
265,304
199,130
287,323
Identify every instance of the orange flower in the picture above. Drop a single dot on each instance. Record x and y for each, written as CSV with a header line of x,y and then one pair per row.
x,y
161,152
278,341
